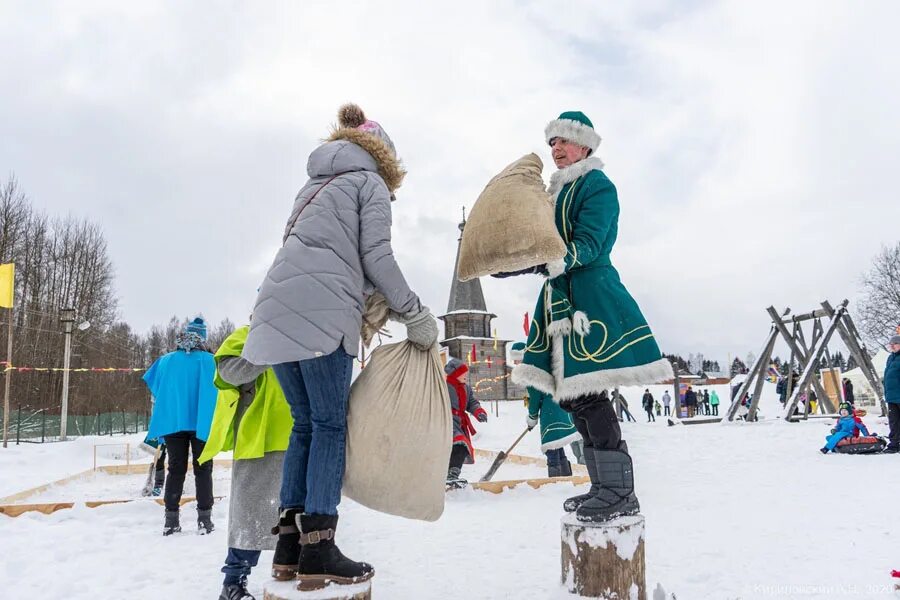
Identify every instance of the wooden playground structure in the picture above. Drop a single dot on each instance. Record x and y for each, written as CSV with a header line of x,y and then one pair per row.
x,y
807,357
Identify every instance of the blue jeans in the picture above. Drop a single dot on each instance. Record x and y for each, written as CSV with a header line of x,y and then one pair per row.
x,y
238,564
317,391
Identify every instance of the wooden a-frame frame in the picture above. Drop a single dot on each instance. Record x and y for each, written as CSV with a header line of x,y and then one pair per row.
x,y
807,359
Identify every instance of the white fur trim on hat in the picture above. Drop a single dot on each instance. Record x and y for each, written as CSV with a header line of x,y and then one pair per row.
x,y
572,131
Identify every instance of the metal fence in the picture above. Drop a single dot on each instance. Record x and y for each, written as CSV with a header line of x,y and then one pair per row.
x,y
27,425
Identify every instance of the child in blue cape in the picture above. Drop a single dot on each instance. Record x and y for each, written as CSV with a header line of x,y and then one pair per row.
x,y
846,427
182,383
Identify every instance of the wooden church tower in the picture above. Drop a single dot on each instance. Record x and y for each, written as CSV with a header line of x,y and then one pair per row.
x,y
467,328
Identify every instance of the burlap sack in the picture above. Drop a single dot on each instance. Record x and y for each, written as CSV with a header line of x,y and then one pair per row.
x,y
399,433
512,225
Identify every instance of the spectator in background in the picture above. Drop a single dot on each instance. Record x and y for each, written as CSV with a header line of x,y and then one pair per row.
x,y
891,382
706,402
848,392
714,403
624,404
667,401
182,383
690,401
647,403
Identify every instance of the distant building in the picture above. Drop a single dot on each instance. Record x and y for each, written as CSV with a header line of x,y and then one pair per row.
x,y
467,328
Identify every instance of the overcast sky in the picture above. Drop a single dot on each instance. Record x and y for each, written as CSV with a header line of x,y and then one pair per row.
x,y
754,144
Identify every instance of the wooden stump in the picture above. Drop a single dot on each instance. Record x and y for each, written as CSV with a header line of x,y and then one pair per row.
x,y
604,560
287,590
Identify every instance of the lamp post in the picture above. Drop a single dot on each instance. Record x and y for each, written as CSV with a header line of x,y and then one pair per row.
x,y
67,317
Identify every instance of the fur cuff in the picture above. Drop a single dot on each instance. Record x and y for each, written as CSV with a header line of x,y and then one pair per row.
x,y
560,327
572,131
581,323
556,268
531,376
592,383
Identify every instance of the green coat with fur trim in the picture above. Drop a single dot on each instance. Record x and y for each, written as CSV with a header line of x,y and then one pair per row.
x,y
588,334
557,429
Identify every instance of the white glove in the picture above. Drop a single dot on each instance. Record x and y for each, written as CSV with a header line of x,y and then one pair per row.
x,y
421,328
531,421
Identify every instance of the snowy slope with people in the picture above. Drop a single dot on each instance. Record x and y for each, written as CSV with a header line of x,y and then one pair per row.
x,y
733,511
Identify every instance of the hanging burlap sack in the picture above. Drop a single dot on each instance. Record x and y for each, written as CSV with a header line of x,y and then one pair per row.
x,y
511,226
399,433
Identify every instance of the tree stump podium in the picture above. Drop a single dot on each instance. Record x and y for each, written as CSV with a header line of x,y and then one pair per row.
x,y
287,590
604,560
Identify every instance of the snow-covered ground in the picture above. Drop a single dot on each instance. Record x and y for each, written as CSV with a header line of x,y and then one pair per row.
x,y
732,511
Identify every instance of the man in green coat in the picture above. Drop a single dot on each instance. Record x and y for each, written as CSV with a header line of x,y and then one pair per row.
x,y
588,334
252,418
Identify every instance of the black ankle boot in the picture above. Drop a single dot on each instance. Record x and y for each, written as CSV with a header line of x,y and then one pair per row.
x,y
236,591
173,524
321,562
204,522
287,549
566,467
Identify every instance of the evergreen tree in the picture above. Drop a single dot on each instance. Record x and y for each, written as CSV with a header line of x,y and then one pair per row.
x,y
738,367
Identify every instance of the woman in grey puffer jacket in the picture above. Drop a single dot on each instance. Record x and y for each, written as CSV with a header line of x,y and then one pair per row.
x,y
307,318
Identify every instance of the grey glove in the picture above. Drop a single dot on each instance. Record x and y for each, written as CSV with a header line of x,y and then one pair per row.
x,y
421,328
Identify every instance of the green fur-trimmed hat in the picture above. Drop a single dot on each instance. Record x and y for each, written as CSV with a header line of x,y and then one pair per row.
x,y
573,125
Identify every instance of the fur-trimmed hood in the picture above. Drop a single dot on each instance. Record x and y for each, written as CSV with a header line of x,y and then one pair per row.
x,y
573,172
388,165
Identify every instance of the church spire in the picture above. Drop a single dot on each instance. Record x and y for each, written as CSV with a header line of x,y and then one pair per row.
x,y
465,295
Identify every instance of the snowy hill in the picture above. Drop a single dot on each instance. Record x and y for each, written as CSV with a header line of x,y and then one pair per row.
x,y
733,511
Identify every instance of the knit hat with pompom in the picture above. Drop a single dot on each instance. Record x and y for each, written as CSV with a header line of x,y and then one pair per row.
x,y
352,116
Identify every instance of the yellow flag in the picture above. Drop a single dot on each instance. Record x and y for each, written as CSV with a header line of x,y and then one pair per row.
x,y
495,339
7,281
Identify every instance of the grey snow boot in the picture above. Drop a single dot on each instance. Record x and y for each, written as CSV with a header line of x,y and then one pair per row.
x,y
172,523
455,480
204,522
572,504
616,495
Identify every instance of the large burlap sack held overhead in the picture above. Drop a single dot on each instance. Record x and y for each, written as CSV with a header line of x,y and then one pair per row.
x,y
511,226
399,432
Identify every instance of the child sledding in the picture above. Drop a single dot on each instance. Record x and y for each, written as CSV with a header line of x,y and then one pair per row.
x,y
845,438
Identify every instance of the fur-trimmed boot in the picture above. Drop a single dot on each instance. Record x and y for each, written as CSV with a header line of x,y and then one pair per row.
x,y
321,562
204,521
616,495
173,524
572,504
287,549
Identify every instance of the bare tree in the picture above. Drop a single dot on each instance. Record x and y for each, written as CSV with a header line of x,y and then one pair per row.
x,y
879,308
